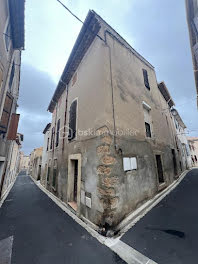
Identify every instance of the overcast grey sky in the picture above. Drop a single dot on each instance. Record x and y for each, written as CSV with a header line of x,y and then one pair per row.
x,y
155,28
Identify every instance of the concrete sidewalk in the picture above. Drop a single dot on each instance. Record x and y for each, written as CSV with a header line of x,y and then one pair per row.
x,y
168,234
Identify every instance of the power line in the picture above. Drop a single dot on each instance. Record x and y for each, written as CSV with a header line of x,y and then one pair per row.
x,y
78,19
70,12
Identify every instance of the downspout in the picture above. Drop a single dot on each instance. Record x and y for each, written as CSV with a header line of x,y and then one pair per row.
x,y
65,120
112,88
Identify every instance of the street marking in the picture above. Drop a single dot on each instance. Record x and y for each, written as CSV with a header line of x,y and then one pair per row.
x,y
127,253
6,250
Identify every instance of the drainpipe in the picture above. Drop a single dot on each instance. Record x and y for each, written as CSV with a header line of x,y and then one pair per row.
x,y
112,87
65,120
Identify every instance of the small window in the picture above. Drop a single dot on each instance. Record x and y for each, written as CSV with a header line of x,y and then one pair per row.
x,y
48,172
57,133
52,138
74,79
47,144
7,36
130,164
146,80
148,129
72,121
12,76
54,174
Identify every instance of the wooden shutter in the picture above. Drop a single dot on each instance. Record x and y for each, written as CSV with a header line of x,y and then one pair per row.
x,y
12,132
146,81
72,121
52,138
57,133
12,75
6,113
1,77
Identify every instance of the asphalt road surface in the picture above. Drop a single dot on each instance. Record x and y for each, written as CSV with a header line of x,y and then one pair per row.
x,y
168,234
34,230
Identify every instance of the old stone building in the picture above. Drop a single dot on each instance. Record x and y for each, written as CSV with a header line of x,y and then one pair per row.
x,y
46,133
35,163
13,164
181,141
11,45
192,20
24,162
193,143
112,139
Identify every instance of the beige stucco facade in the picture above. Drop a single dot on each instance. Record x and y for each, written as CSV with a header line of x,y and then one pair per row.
x,y
113,105
11,44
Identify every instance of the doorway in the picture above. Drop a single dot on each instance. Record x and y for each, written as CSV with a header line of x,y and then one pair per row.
x,y
174,162
74,181
159,169
39,173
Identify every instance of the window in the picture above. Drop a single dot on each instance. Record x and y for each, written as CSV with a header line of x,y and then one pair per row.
x,y
12,76
130,164
6,113
54,174
48,171
52,138
146,80
47,144
148,129
72,121
74,79
159,169
1,78
57,133
7,36
147,119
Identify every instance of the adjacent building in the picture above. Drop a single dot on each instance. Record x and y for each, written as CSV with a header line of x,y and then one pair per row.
x,y
111,144
24,162
192,19
34,168
11,45
193,143
46,133
13,164
181,141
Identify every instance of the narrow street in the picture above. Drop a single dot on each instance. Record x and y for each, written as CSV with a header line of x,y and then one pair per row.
x,y
168,234
42,233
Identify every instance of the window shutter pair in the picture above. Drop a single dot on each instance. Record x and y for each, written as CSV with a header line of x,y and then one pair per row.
x,y
6,113
72,121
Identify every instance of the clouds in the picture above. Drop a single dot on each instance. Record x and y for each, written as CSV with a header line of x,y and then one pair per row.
x,y
157,29
36,90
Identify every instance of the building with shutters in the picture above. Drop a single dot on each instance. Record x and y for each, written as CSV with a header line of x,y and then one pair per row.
x,y
181,140
192,20
11,45
193,143
34,169
112,139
